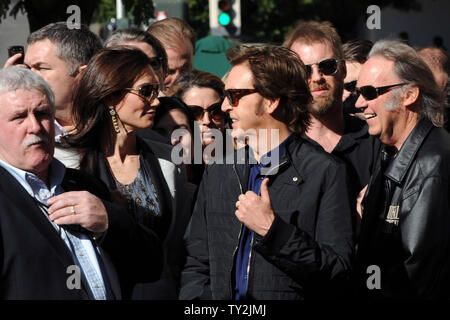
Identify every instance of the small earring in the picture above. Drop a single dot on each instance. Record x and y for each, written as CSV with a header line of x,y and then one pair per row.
x,y
113,114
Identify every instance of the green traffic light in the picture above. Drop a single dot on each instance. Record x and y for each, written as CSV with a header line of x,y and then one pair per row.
x,y
224,19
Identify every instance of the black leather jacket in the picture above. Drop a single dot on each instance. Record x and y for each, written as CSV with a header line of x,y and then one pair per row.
x,y
308,247
408,234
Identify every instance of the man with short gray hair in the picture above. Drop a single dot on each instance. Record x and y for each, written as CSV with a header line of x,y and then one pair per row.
x,y
406,209
51,216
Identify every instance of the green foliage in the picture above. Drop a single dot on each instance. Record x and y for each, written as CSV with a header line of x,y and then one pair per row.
x,y
270,20
43,12
198,17
105,11
262,20
4,8
20,6
139,11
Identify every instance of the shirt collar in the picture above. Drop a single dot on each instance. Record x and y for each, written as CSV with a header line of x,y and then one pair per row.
x,y
59,131
267,158
31,182
355,129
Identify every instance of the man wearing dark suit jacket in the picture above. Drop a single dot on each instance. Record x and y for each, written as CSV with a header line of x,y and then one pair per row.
x,y
57,241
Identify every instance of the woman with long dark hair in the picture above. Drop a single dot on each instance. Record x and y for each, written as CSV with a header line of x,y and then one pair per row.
x,y
117,95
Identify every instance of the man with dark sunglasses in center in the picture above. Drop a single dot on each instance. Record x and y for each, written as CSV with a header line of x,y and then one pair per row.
x,y
319,47
274,220
406,209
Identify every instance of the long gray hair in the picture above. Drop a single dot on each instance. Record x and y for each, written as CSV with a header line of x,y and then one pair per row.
x,y
409,67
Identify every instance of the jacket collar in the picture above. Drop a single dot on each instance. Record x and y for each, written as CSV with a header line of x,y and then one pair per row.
x,y
400,165
293,144
242,162
355,129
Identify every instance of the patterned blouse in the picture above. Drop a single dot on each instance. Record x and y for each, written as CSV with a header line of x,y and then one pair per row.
x,y
142,197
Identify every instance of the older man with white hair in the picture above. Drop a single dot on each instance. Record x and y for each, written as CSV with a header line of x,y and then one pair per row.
x,y
49,228
405,240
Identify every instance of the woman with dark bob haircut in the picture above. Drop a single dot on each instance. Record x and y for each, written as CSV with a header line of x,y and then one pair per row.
x,y
117,95
203,93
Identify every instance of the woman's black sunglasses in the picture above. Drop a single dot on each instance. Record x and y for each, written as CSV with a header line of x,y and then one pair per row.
x,y
214,110
371,92
326,67
350,86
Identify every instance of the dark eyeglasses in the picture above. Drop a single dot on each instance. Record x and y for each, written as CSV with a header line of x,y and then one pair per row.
x,y
326,67
156,63
147,91
233,95
350,86
214,111
370,92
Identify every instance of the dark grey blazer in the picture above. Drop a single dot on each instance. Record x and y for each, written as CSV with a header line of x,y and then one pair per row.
x,y
34,260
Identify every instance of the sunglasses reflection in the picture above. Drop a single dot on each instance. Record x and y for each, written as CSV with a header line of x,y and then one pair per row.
x,y
326,67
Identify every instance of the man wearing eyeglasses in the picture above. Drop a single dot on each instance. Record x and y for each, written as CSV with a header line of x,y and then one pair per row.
x,y
274,220
406,209
178,39
319,47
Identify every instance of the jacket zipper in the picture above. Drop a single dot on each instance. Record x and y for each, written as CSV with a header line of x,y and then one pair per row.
x,y
248,265
281,164
239,180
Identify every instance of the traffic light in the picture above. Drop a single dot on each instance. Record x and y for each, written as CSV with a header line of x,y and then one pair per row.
x,y
225,17
225,12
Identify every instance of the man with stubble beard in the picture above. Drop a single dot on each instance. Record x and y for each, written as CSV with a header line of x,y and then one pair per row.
x,y
319,47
